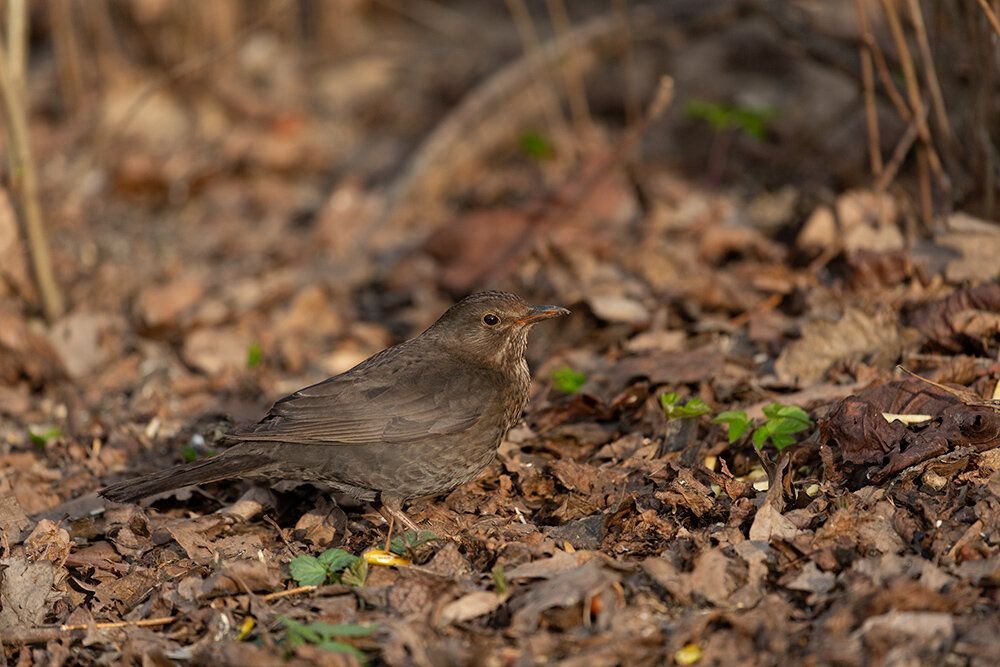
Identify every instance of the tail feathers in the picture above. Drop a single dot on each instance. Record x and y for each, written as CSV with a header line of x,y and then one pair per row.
x,y
201,472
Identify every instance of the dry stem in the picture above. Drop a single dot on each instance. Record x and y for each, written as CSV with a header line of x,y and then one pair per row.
x,y
22,165
937,99
990,15
868,81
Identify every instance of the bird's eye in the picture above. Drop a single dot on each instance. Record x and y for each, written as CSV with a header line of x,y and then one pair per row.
x,y
491,320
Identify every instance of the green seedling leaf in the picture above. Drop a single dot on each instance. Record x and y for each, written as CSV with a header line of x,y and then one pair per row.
x,y
750,121
308,571
335,560
500,580
781,425
255,355
535,145
329,630
401,544
567,380
323,635
674,409
189,453
737,423
356,574
40,436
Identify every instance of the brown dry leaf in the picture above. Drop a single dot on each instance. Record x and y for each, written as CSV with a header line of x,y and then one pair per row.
x,y
864,220
48,541
24,588
857,430
25,353
162,307
481,242
216,350
687,492
13,520
546,568
124,593
193,535
908,637
769,522
965,318
87,342
320,525
977,244
716,576
675,582
857,335
239,576
472,605
566,589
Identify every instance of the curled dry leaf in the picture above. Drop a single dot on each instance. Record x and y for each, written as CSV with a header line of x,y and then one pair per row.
x,y
472,605
48,541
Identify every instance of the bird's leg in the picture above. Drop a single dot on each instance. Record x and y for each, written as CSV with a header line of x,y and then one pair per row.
x,y
391,509
388,532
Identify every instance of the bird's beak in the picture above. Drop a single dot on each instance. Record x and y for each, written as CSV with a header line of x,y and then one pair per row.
x,y
537,313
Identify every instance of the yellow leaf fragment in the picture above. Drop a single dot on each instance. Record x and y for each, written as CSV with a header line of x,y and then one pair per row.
x,y
383,557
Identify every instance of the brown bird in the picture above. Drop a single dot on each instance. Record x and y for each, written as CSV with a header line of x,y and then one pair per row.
x,y
417,419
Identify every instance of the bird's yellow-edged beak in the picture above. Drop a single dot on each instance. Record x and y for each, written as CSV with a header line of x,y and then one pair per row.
x,y
537,313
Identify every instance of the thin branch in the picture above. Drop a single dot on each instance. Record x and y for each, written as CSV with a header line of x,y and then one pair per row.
x,y
868,82
22,166
990,16
898,155
57,632
913,92
937,99
17,37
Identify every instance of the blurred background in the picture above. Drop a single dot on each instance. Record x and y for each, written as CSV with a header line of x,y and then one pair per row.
x,y
207,204
235,198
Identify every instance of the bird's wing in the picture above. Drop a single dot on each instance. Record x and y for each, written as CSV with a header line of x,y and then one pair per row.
x,y
404,400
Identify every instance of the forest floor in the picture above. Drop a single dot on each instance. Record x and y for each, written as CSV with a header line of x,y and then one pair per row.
x,y
230,244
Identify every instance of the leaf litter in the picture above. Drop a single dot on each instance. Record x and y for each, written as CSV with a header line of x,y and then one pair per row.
x,y
626,521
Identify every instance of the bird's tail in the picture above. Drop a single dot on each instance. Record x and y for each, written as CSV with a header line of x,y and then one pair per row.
x,y
200,472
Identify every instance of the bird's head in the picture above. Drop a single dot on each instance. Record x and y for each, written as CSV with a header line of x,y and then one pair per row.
x,y
491,326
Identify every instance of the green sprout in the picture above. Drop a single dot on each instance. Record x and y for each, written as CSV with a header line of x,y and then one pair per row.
x,y
535,145
751,121
781,423
567,380
255,355
326,635
674,409
334,565
41,436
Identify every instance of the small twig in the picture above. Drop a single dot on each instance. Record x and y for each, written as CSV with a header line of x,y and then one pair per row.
x,y
882,68
937,99
22,164
868,83
55,633
990,16
290,591
896,161
913,92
